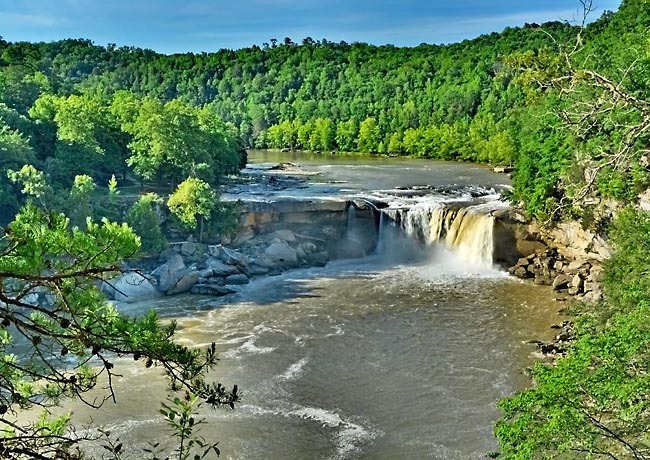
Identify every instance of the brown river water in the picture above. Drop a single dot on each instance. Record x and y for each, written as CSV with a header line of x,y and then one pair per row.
x,y
403,354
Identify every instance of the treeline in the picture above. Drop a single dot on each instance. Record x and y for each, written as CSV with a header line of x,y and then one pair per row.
x,y
386,99
480,139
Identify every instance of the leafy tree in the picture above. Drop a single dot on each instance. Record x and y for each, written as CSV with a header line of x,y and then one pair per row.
x,y
304,134
192,199
80,202
15,152
394,144
144,219
174,140
369,139
88,138
110,206
21,87
59,337
346,135
323,135
544,157
33,182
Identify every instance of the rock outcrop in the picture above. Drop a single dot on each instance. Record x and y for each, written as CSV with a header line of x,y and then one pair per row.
x,y
564,268
217,270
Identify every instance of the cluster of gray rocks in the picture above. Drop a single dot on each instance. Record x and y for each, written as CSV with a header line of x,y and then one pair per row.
x,y
579,278
215,269
558,346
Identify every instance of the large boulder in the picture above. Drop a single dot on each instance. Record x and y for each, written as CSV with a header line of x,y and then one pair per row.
x,y
263,261
231,257
237,279
243,236
211,289
318,259
562,281
220,268
206,272
285,235
308,247
522,272
188,249
577,285
185,282
283,254
257,270
168,274
131,287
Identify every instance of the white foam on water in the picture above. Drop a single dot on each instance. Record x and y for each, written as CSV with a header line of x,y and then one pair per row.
x,y
338,331
248,347
350,437
264,328
295,370
237,339
300,339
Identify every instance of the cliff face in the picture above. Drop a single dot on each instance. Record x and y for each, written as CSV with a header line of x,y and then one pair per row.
x,y
345,229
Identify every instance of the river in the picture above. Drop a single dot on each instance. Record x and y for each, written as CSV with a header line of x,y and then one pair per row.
x,y
391,356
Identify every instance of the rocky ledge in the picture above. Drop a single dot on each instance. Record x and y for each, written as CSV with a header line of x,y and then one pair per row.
x,y
215,270
558,346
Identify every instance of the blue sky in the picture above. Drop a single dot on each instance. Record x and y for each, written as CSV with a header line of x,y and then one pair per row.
x,y
171,26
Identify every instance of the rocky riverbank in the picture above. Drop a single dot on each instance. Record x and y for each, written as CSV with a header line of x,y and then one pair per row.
x,y
215,269
570,260
567,257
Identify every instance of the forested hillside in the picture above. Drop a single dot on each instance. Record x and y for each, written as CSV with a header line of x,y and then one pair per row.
x,y
567,106
463,101
74,108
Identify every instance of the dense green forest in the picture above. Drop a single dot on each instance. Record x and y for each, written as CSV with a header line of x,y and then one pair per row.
x,y
72,107
75,108
567,105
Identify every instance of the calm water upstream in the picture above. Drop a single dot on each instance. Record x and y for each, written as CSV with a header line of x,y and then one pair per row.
x,y
380,358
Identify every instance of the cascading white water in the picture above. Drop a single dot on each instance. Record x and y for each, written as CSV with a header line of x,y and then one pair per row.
x,y
466,231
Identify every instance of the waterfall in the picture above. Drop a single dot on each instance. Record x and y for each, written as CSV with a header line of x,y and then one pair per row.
x,y
465,231
354,234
